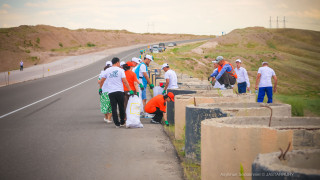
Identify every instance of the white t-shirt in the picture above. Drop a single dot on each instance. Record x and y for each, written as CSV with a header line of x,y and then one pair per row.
x,y
242,75
266,75
173,82
143,69
113,82
101,74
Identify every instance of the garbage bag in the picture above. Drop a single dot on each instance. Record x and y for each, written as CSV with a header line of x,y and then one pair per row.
x,y
133,112
157,90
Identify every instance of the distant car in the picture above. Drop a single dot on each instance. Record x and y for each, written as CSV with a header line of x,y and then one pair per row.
x,y
174,43
155,50
170,45
163,46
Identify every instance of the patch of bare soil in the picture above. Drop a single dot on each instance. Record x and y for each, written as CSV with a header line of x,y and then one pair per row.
x,y
43,44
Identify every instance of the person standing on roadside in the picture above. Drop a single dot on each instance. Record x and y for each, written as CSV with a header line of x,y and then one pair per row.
x,y
225,74
21,65
133,83
105,106
243,79
142,74
115,78
264,76
171,78
135,62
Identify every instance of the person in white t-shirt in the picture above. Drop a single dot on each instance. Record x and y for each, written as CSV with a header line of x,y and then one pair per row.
x,y
171,78
242,79
112,82
264,76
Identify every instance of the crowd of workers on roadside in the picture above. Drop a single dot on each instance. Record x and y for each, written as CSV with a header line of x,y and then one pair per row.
x,y
120,80
225,76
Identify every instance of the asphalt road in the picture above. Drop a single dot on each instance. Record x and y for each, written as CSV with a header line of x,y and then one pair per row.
x,y
64,136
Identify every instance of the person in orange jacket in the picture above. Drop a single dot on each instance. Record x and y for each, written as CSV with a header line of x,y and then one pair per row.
x,y
158,106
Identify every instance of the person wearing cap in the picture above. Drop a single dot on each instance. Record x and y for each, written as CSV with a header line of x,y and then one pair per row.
x,y
265,73
171,78
142,75
225,74
121,64
216,84
158,106
132,81
112,82
135,62
243,79
105,106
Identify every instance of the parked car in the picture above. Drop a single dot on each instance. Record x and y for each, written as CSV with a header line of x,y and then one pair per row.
x,y
170,45
160,49
163,46
174,43
155,50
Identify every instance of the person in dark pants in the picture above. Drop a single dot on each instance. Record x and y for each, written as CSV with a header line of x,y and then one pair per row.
x,y
243,78
158,106
225,74
21,65
115,78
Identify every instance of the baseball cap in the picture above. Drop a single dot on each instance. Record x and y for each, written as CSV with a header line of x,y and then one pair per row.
x,y
122,63
164,65
238,60
149,57
264,63
130,63
219,58
108,63
171,96
136,60
214,62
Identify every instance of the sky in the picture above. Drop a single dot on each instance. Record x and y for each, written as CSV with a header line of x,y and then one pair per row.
x,y
202,17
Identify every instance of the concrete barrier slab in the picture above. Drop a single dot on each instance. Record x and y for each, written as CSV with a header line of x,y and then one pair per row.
x,y
298,164
181,101
228,142
194,116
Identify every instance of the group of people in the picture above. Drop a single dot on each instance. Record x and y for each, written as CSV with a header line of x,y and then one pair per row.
x,y
118,81
225,76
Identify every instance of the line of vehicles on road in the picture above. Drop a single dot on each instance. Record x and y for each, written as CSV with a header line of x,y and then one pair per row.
x,y
161,47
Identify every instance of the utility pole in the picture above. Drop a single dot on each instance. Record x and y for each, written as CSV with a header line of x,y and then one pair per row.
x,y
270,23
284,22
277,23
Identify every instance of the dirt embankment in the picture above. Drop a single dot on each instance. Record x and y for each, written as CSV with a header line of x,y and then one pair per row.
x,y
42,44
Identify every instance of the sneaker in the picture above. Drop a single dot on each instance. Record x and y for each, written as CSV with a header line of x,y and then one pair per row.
x,y
122,125
228,86
107,120
148,115
117,126
154,122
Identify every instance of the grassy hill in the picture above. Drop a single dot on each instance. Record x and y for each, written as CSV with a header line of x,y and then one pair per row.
x,y
41,44
293,54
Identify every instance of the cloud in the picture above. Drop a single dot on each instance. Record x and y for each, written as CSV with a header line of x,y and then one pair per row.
x,y
312,13
29,4
6,6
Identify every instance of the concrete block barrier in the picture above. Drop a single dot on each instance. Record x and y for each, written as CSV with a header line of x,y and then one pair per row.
x,y
298,164
181,101
228,142
170,105
194,116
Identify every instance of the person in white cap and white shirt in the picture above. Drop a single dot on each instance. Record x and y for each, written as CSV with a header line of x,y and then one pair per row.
x,y
136,62
122,63
142,74
264,76
171,78
216,84
243,79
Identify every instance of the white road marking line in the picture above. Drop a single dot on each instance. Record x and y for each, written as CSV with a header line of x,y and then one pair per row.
x,y
47,97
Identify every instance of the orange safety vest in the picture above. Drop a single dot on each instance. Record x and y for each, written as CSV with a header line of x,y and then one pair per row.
x,y
232,72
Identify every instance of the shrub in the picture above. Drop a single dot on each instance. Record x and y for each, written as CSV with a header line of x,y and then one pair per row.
x,y
60,44
89,44
27,51
38,40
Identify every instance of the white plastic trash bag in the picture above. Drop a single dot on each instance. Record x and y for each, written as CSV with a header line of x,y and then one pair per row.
x,y
133,112
157,90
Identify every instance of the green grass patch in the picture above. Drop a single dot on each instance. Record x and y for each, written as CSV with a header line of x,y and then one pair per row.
x,y
89,44
191,170
301,103
67,49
